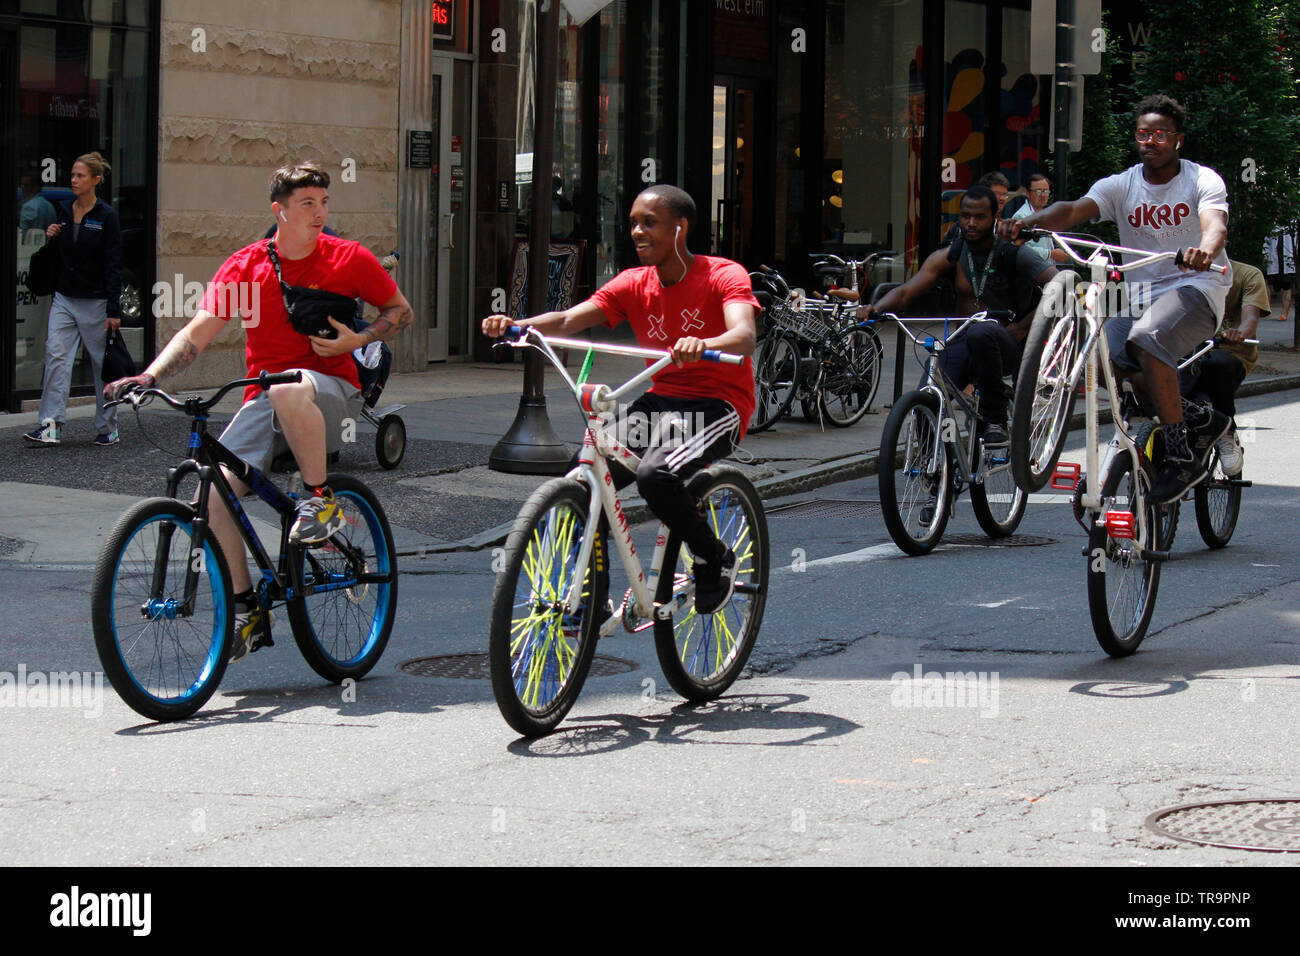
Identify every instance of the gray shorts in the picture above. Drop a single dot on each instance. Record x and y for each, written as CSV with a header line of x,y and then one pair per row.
x,y
254,434
1171,328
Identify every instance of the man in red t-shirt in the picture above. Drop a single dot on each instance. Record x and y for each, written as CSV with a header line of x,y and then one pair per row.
x,y
307,416
685,304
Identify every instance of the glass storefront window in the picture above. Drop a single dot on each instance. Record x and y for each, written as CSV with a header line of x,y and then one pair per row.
x,y
964,99
1024,132
81,89
871,177
612,203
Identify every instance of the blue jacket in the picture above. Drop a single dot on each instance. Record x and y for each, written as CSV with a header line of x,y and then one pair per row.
x,y
92,263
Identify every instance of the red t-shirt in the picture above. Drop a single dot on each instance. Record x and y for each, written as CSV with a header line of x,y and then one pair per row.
x,y
246,286
692,306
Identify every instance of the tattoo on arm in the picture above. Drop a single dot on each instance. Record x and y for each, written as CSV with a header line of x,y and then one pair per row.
x,y
179,355
389,321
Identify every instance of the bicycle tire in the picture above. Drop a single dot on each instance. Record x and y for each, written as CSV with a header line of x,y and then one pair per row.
x,y
703,655
850,382
1218,505
1043,399
998,501
909,432
342,632
539,659
1122,586
776,378
163,663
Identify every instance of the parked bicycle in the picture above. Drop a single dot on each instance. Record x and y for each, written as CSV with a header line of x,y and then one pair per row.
x,y
161,601
932,449
815,351
550,599
1128,533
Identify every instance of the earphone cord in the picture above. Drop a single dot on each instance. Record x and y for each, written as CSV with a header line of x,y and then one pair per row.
x,y
679,252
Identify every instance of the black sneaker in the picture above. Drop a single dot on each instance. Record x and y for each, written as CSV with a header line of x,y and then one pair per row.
x,y
1202,438
1175,477
714,583
252,631
995,435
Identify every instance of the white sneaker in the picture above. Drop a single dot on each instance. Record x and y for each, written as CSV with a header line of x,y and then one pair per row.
x,y
1231,455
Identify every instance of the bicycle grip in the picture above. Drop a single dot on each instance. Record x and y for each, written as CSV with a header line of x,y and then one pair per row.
x,y
715,355
1214,266
514,333
266,379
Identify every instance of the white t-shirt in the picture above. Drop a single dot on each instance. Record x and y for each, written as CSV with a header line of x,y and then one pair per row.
x,y
1165,218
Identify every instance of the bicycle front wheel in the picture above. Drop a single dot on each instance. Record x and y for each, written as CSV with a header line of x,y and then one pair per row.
x,y
853,374
998,502
1121,582
1218,503
1043,401
342,620
539,650
161,611
776,378
915,475
702,655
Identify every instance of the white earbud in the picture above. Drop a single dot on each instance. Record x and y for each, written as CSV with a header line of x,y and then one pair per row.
x,y
283,217
677,233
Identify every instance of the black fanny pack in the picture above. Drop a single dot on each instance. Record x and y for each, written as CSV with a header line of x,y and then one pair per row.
x,y
311,309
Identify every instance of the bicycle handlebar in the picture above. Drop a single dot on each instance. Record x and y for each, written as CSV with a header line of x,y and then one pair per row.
x,y
1148,258
515,333
139,397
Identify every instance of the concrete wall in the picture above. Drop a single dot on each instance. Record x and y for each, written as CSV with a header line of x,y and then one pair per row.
x,y
263,84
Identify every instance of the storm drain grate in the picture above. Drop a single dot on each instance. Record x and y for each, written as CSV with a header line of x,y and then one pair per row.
x,y
1236,824
1010,541
826,508
476,666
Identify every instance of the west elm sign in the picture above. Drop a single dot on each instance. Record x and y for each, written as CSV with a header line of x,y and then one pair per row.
x,y
443,13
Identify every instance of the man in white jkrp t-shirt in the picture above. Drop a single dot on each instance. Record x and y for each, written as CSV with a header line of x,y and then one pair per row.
x,y
1162,204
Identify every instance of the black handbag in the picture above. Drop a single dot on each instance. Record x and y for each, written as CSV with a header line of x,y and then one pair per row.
x,y
117,360
311,309
44,269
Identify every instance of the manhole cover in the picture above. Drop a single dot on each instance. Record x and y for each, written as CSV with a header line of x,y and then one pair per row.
x,y
1236,824
1010,541
476,666
826,508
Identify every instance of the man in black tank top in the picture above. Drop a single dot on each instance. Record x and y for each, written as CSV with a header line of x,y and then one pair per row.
x,y
986,273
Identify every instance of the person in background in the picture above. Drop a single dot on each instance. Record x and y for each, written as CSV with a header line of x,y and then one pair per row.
x,y
1040,193
1000,185
1216,375
86,304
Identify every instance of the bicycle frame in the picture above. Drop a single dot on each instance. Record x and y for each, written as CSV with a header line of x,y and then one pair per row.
x,y
598,446
936,382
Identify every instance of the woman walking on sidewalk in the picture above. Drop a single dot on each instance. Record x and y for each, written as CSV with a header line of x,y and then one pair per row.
x,y
86,303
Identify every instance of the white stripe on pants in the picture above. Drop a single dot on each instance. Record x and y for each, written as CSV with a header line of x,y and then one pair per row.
x,y
72,321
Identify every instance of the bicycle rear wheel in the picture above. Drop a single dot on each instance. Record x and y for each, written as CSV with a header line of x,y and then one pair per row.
x,y
343,626
1218,503
852,376
1122,583
916,494
1043,399
776,378
702,655
540,654
163,651
998,502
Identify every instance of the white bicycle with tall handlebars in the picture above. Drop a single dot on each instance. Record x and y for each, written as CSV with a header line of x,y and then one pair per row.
x,y
1128,533
549,600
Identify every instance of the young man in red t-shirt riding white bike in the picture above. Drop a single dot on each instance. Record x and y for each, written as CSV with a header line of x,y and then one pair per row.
x,y
694,414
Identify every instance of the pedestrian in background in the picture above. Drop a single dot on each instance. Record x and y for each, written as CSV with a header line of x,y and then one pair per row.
x,y
86,304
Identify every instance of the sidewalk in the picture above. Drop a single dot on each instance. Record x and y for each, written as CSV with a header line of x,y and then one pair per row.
x,y
442,496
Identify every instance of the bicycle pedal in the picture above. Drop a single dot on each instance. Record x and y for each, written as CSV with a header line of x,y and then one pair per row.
x,y
1066,476
1120,525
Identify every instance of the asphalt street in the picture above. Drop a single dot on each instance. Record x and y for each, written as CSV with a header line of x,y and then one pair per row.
x,y
830,749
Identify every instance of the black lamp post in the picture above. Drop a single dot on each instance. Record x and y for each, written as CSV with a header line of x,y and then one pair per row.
x,y
531,446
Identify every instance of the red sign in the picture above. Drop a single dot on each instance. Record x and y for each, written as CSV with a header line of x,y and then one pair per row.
x,y
444,19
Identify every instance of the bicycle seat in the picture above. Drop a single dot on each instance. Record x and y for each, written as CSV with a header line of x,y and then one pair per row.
x,y
845,295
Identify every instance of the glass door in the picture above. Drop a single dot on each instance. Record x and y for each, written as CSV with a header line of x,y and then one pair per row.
x,y
449,210
735,135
